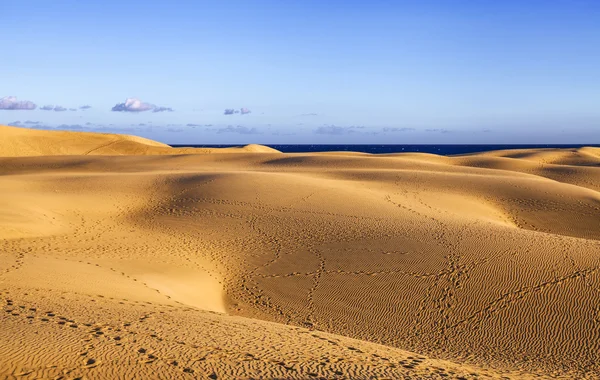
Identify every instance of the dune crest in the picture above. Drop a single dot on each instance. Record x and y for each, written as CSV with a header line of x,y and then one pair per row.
x,y
18,142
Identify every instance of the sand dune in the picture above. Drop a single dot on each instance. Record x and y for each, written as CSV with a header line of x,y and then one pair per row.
x,y
18,142
576,156
260,264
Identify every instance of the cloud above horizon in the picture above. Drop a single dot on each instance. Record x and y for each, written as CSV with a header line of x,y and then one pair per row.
x,y
53,108
239,129
85,107
335,130
438,130
396,129
87,127
11,103
231,111
136,105
162,109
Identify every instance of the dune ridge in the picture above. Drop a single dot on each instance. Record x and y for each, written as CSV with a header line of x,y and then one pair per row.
x,y
18,142
262,264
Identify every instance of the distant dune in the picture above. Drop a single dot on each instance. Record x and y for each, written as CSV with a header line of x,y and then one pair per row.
x,y
16,141
146,263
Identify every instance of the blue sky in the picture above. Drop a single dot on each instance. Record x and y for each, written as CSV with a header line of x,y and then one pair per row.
x,y
452,71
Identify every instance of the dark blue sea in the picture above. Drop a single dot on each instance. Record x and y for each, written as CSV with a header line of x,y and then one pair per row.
x,y
442,149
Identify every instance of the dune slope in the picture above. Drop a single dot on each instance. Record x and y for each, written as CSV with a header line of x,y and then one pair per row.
x,y
18,142
370,266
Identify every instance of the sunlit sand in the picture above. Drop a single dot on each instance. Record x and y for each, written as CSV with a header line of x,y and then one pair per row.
x,y
121,257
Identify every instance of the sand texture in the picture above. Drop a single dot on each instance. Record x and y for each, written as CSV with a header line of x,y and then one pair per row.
x,y
122,257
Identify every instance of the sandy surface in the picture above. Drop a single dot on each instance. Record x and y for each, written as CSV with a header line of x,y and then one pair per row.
x,y
138,261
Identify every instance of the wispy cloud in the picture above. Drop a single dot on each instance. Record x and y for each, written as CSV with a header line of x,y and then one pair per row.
x,y
239,129
136,105
309,114
85,107
335,130
396,129
438,130
53,108
162,109
282,133
72,109
90,127
229,111
244,111
11,103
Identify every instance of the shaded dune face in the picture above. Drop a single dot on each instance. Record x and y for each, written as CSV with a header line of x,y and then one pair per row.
x,y
487,262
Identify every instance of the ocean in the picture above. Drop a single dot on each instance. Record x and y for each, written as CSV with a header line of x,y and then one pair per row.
x,y
441,149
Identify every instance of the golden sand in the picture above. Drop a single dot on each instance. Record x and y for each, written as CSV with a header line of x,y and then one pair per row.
x,y
121,257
